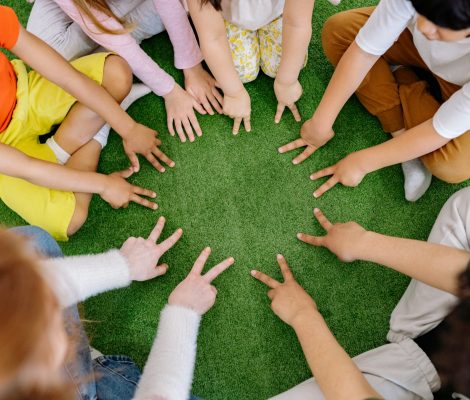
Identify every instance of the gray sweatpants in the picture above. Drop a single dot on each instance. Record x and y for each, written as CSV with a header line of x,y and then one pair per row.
x,y
48,22
401,370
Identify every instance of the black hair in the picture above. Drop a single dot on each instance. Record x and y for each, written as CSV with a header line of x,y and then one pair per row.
x,y
453,358
450,14
217,4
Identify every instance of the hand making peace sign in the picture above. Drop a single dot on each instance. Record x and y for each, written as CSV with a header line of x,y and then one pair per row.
x,y
196,291
143,255
289,300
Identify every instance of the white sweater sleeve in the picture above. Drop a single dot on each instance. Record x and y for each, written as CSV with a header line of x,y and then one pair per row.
x,y
76,278
385,25
168,373
453,117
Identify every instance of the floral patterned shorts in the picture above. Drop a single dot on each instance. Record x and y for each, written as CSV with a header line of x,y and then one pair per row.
x,y
254,49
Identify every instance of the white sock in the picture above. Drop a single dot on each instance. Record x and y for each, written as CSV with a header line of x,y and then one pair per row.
x,y
417,179
61,155
138,90
94,354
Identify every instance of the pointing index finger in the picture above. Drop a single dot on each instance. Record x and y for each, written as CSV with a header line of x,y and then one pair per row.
x,y
201,261
326,186
324,222
292,145
286,272
267,280
157,230
218,269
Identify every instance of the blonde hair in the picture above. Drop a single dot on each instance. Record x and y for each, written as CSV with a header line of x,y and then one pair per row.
x,y
87,7
28,308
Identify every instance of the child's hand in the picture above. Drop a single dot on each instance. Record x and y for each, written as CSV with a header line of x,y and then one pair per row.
x,y
290,302
346,240
350,171
306,132
142,140
118,192
287,95
202,86
196,291
143,255
180,106
238,107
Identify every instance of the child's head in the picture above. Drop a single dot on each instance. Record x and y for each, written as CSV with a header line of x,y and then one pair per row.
x,y
33,341
446,20
217,4
453,358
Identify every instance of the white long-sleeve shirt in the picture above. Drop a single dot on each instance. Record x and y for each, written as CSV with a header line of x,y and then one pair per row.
x,y
448,60
169,370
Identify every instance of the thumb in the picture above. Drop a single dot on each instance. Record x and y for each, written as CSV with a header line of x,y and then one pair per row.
x,y
134,161
126,173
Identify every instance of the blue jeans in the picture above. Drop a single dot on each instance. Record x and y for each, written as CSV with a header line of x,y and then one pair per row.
x,y
106,377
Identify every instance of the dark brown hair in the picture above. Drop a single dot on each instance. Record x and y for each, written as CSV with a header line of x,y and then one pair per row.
x,y
453,358
87,7
217,4
28,305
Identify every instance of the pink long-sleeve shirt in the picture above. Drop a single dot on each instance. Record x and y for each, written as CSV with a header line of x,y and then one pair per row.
x,y
173,15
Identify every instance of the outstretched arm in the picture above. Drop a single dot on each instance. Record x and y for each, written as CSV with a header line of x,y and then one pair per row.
x,y
215,48
336,374
434,264
296,34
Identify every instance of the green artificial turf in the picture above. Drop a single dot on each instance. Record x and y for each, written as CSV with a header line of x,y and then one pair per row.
x,y
239,196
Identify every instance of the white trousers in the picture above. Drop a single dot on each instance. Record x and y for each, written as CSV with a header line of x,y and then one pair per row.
x,y
48,22
401,370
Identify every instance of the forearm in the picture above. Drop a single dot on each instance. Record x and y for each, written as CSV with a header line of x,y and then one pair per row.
x,y
54,176
434,264
219,59
348,75
336,374
55,68
215,46
74,279
168,373
296,35
413,143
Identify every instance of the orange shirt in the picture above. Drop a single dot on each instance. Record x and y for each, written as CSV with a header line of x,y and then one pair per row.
x,y
9,32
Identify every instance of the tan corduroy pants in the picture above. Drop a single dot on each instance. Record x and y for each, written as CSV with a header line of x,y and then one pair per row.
x,y
401,99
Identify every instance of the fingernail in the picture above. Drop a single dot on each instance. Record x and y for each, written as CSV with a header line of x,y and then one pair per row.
x,y
207,249
155,206
162,170
312,178
295,162
315,210
253,272
154,195
299,236
172,164
231,259
279,256
162,218
314,195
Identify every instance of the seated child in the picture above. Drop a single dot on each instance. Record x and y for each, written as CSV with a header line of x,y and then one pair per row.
x,y
76,28
51,185
381,54
36,347
240,37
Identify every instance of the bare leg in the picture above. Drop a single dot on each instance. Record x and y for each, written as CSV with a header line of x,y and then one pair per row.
x,y
84,159
81,123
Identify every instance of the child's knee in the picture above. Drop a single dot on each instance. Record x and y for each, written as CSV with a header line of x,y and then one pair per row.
x,y
79,218
336,36
117,79
450,170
